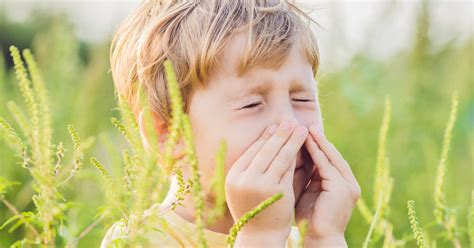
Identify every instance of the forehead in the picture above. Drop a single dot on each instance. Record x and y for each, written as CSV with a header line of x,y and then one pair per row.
x,y
295,68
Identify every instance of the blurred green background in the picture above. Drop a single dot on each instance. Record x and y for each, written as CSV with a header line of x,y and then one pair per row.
x,y
420,74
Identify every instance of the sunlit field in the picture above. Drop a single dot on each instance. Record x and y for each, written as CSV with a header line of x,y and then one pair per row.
x,y
72,162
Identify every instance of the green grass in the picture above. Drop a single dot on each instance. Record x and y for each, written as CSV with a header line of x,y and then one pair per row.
x,y
404,125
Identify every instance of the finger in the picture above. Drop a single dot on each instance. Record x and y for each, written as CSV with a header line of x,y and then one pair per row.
x,y
325,169
316,181
307,200
315,175
288,176
282,162
311,192
332,153
302,177
246,158
270,149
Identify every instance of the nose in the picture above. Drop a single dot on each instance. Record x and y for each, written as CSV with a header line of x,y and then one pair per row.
x,y
285,112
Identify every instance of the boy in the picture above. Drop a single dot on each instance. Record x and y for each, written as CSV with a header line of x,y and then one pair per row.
x,y
246,70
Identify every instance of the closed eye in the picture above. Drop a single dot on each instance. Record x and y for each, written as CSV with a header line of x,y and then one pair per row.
x,y
252,105
303,100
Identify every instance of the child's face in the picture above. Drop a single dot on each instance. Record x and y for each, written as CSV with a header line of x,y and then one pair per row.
x,y
219,111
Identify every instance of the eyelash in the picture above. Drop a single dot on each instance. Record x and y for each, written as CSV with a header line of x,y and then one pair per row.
x,y
258,103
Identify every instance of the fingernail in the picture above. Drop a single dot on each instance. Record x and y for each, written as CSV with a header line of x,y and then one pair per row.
x,y
272,129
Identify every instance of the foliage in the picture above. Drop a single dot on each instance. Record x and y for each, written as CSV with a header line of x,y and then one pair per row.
x,y
45,185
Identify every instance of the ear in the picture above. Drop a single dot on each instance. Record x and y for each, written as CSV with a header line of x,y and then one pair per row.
x,y
161,130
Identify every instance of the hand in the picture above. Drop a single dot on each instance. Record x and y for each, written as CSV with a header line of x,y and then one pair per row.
x,y
265,169
328,200
303,174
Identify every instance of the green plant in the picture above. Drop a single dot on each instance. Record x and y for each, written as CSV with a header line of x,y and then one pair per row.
x,y
373,223
79,87
444,216
416,229
248,216
382,188
40,157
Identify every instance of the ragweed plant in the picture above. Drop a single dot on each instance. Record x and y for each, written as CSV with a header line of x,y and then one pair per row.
x,y
129,198
238,225
382,190
146,177
415,227
443,215
368,238
218,184
180,121
471,221
39,156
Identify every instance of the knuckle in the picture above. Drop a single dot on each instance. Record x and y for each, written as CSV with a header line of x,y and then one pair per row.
x,y
265,150
266,135
281,134
278,163
284,158
325,184
355,192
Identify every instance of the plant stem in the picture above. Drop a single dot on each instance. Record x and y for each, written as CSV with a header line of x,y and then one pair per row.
x,y
16,212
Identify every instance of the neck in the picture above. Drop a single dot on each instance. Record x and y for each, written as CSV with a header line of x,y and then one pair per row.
x,y
188,212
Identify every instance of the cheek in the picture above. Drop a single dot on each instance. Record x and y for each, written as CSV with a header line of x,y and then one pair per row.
x,y
207,140
240,140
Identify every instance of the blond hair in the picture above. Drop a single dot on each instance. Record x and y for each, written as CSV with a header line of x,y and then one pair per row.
x,y
192,33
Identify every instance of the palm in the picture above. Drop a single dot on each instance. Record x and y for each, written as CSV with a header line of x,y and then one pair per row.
x,y
317,204
328,200
301,179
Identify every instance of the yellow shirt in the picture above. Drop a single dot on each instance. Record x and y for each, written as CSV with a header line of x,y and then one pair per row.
x,y
175,231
